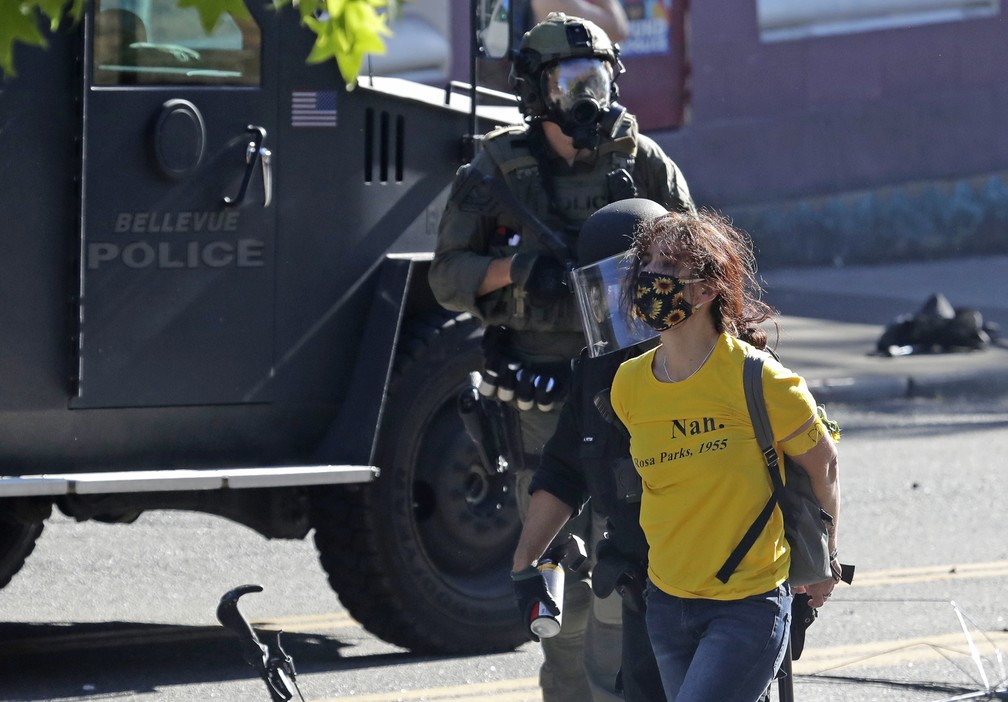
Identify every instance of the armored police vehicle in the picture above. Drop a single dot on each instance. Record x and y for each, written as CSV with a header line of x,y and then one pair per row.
x,y
205,305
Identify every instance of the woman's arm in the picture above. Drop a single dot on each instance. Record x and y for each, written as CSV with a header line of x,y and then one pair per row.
x,y
822,465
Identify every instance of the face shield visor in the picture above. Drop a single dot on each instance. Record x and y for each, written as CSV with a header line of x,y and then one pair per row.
x,y
577,90
597,288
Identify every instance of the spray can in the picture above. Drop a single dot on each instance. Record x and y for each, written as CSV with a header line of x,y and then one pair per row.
x,y
544,623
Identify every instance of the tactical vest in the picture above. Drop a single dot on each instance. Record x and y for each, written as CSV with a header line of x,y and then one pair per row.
x,y
577,195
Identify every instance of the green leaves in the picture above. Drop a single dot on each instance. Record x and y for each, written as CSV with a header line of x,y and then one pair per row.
x,y
346,30
19,22
211,10
16,26
831,426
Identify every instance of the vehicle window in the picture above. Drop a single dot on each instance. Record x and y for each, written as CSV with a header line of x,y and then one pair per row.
x,y
156,42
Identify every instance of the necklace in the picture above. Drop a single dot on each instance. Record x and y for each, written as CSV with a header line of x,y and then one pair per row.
x,y
668,376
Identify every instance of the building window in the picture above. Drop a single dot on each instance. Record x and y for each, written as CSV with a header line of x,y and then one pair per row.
x,y
782,20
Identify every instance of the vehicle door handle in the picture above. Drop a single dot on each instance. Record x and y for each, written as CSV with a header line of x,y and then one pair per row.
x,y
266,159
255,154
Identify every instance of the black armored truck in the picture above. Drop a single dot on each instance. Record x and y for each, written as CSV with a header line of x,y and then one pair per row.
x,y
211,299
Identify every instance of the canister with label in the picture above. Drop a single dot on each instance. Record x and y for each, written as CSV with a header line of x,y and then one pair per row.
x,y
544,623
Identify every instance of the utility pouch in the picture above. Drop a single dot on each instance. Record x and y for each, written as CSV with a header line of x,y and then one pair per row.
x,y
629,487
621,185
517,383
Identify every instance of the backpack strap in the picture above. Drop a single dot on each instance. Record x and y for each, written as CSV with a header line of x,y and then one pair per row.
x,y
752,377
752,382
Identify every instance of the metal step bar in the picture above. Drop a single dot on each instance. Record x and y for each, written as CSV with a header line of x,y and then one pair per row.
x,y
181,480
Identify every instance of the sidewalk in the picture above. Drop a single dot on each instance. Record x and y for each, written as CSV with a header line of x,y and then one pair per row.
x,y
833,317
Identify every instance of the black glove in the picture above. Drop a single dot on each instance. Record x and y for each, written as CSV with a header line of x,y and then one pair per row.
x,y
542,277
615,571
530,591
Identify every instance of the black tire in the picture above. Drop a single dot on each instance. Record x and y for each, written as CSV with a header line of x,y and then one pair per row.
x,y
421,556
17,541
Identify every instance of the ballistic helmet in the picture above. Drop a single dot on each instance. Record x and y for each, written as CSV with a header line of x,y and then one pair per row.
x,y
601,247
610,229
559,38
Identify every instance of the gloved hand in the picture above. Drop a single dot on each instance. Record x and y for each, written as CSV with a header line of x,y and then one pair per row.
x,y
802,617
630,586
542,277
614,571
530,590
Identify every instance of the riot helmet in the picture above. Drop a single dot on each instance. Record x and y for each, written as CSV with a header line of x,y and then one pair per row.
x,y
598,282
565,71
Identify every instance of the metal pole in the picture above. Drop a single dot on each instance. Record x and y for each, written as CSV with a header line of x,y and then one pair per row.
x,y
474,45
785,683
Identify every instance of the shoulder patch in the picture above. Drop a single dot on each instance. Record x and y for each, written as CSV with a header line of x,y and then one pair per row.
x,y
508,148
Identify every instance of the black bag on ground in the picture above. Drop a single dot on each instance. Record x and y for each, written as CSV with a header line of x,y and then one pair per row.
x,y
937,327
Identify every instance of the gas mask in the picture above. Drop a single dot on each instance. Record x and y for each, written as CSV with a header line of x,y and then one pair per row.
x,y
578,93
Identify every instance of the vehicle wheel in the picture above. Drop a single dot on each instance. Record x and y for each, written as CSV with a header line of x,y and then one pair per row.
x,y
421,556
17,541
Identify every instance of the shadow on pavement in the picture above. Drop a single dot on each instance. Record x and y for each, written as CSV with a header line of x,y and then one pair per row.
x,y
52,661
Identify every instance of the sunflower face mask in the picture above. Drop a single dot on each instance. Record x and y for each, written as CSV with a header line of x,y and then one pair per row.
x,y
659,300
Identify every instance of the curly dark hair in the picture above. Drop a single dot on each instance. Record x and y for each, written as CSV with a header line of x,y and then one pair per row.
x,y
716,251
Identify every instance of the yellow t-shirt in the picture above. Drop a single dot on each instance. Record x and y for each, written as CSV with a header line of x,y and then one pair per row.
x,y
704,477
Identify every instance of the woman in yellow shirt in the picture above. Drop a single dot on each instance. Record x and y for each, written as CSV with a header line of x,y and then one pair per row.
x,y
692,278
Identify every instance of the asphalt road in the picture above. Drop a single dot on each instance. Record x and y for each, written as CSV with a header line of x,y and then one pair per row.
x,y
922,486
126,612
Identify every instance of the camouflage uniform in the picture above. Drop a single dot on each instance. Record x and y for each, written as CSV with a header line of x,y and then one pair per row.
x,y
546,336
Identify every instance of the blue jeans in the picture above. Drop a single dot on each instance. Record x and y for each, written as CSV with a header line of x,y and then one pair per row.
x,y
718,651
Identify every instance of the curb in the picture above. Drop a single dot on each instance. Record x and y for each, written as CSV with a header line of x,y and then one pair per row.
x,y
980,385
860,389
871,388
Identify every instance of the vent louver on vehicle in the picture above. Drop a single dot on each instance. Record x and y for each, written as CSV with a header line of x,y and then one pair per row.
x,y
384,134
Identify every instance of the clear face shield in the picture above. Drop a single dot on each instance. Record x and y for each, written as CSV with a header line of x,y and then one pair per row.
x,y
597,288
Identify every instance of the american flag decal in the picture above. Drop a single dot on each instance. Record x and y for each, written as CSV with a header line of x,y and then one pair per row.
x,y
316,108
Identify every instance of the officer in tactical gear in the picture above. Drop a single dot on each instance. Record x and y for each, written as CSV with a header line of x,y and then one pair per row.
x,y
589,457
578,151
